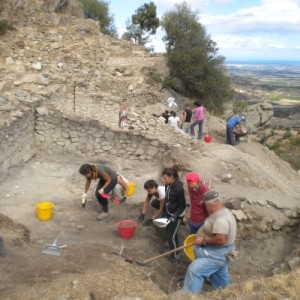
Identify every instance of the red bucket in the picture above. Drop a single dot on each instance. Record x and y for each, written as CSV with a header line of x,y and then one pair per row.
x,y
126,229
207,139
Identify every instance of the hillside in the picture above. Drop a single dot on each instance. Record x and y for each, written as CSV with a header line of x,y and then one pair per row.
x,y
61,84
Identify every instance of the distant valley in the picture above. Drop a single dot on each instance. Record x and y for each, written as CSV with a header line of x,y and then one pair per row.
x,y
279,84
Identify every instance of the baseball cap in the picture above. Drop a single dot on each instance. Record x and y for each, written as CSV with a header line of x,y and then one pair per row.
x,y
192,177
243,117
211,195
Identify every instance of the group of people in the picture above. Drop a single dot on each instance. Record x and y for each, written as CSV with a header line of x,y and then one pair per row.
x,y
189,121
213,224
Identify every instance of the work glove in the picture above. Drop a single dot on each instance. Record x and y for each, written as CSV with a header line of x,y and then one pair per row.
x,y
83,199
148,222
101,191
141,217
123,199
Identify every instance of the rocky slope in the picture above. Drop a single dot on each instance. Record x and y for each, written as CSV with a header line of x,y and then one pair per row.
x,y
58,65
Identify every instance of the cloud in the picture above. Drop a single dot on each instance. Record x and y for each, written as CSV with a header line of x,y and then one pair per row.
x,y
272,16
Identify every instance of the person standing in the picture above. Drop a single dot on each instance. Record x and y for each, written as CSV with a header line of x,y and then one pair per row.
x,y
173,120
232,123
197,189
156,198
199,120
215,240
123,112
174,208
107,181
186,119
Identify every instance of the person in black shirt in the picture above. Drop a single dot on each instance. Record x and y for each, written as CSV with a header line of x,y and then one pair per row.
x,y
174,207
186,119
166,116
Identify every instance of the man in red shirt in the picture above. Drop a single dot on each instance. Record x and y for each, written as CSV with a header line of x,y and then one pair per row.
x,y
197,189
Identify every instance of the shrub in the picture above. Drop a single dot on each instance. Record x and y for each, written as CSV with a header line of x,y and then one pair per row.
x,y
4,26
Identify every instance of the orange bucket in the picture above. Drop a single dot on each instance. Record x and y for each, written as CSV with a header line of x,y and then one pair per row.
x,y
126,229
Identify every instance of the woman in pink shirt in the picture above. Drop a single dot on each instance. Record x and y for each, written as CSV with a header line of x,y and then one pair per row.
x,y
199,120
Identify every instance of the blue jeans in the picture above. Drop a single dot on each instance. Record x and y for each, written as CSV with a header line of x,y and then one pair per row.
x,y
200,131
194,227
211,263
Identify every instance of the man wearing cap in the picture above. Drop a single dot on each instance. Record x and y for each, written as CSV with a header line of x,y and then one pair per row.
x,y
232,123
197,189
214,240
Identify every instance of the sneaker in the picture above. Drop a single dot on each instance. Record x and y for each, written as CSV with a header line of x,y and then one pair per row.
x,y
103,215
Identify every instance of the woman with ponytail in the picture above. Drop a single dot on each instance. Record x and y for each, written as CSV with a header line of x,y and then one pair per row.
x,y
174,208
107,182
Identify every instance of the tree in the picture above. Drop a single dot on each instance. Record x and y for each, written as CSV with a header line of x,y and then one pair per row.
x,y
196,69
99,10
142,22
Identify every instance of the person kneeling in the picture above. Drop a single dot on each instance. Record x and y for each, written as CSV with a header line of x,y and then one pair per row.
x,y
155,197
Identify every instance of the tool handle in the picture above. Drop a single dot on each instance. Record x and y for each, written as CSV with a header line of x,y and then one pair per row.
x,y
168,252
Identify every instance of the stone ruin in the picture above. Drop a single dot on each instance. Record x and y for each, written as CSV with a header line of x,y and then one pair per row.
x,y
61,84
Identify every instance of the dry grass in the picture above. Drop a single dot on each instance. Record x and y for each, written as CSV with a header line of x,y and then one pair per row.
x,y
284,286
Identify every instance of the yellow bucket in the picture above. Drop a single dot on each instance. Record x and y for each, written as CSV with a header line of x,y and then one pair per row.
x,y
44,210
131,188
189,251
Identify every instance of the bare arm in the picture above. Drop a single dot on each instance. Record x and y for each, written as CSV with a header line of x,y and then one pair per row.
x,y
146,204
159,212
124,185
183,116
219,239
107,179
178,123
87,185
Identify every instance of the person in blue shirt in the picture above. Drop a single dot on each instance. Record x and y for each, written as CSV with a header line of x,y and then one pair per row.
x,y
232,123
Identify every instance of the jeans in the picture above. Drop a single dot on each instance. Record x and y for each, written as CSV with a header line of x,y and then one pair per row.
x,y
103,201
230,136
211,263
194,227
200,131
186,127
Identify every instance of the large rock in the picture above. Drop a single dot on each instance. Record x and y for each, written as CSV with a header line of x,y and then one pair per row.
x,y
258,115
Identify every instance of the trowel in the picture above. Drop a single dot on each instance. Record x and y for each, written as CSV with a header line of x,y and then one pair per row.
x,y
52,249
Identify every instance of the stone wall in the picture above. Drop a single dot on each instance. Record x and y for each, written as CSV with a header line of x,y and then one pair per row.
x,y
17,137
56,133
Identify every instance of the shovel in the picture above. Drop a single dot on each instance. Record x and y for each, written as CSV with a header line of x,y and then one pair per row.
x,y
145,262
52,249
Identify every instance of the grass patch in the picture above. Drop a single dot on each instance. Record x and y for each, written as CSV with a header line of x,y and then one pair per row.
x,y
279,97
4,26
283,286
288,148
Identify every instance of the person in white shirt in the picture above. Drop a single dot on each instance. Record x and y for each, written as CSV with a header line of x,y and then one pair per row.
x,y
156,198
173,120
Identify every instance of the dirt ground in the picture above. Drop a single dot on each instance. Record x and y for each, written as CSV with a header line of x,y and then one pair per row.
x,y
87,268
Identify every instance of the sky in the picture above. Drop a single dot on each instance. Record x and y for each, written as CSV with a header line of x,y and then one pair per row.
x,y
244,30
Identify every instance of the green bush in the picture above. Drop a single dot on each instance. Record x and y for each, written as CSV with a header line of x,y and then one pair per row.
x,y
239,107
4,26
287,135
296,141
193,59
99,10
